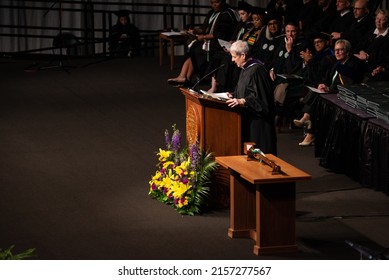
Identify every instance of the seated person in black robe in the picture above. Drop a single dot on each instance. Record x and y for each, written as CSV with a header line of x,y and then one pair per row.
x,y
264,49
124,38
254,92
373,51
347,70
344,19
363,23
288,61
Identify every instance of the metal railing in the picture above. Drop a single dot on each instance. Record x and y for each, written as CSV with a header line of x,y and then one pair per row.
x,y
95,20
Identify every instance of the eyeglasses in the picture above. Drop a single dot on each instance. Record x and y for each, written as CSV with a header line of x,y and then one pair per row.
x,y
340,50
358,9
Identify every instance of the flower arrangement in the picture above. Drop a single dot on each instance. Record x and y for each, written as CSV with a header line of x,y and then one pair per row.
x,y
183,175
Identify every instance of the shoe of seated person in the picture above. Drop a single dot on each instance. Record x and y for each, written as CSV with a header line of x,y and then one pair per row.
x,y
307,143
300,123
178,82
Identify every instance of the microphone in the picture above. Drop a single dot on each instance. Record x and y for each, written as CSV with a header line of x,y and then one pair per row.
x,y
193,89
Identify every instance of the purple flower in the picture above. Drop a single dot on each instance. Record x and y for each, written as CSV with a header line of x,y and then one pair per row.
x,y
176,140
194,155
153,187
185,180
175,201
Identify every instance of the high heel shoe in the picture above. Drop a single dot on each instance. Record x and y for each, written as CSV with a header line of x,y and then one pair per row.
x,y
300,123
307,143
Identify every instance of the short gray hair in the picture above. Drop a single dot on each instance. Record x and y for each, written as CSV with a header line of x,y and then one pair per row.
x,y
240,47
347,44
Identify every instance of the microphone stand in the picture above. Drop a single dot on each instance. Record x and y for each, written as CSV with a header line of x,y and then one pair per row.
x,y
193,89
61,39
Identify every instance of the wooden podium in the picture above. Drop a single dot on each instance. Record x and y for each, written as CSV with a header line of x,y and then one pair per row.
x,y
212,123
217,128
263,205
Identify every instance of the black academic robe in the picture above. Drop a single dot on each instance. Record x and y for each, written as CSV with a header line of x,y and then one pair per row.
x,y
264,49
347,73
227,76
308,15
342,23
120,45
222,27
318,69
323,22
356,33
377,48
289,62
255,87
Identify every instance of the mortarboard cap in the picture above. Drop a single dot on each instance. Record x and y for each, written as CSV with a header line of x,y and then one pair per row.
x,y
122,13
244,6
258,11
320,35
273,16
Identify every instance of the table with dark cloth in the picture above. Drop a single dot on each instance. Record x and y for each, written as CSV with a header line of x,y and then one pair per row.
x,y
352,142
375,158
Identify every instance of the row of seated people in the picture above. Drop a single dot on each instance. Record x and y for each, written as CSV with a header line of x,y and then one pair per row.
x,y
287,50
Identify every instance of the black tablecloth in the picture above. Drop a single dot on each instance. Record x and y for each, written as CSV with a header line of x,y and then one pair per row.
x,y
339,135
375,170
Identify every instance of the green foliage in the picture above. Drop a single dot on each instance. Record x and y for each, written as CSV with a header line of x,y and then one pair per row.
x,y
183,176
8,255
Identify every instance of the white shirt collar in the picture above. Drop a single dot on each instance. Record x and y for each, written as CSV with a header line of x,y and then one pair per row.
x,y
383,34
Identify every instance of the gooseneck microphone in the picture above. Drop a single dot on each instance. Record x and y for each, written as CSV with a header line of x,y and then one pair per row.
x,y
193,89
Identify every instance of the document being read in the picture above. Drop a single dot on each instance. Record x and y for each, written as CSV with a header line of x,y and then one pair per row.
x,y
223,96
225,44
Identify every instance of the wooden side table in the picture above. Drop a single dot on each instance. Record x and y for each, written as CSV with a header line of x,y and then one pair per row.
x,y
263,205
172,38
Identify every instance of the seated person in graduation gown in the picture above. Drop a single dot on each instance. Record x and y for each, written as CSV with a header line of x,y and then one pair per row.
x,y
347,70
324,19
288,60
219,23
344,18
264,49
124,38
254,92
363,23
373,51
317,65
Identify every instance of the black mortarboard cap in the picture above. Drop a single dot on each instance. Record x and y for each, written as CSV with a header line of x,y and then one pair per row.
x,y
320,35
273,16
244,6
122,13
258,11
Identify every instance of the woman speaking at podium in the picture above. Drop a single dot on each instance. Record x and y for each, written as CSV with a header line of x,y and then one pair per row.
x,y
254,91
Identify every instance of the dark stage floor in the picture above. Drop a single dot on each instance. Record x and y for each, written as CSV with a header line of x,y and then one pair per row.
x,y
77,150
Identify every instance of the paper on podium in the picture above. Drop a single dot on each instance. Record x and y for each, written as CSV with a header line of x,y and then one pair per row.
x,y
225,44
223,96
